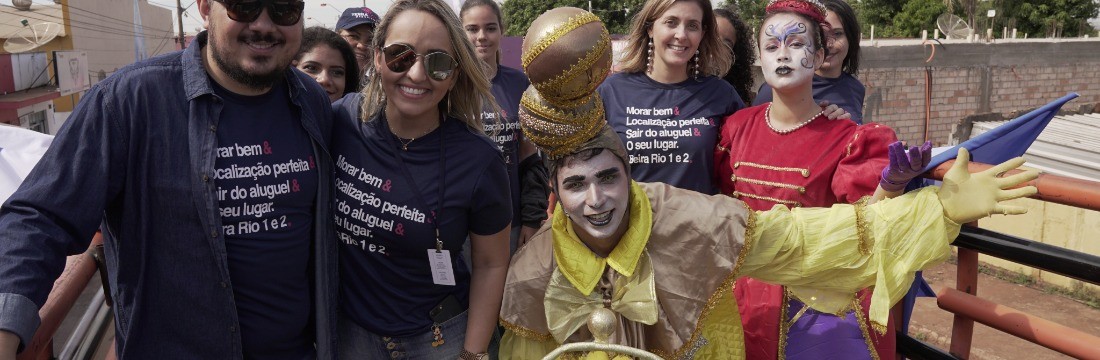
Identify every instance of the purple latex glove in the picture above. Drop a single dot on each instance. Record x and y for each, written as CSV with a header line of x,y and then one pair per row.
x,y
904,165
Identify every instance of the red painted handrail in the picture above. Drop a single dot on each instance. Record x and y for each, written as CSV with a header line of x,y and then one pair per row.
x,y
1020,324
68,287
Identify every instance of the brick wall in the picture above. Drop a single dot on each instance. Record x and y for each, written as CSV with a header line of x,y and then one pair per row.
x,y
969,79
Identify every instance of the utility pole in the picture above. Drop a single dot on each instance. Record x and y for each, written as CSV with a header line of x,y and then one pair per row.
x,y
179,19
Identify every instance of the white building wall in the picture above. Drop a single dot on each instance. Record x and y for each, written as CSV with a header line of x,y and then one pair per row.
x,y
104,28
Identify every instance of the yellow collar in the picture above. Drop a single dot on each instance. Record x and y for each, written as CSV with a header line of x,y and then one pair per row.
x,y
583,267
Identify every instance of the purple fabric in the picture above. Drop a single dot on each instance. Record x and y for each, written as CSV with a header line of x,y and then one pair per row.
x,y
821,336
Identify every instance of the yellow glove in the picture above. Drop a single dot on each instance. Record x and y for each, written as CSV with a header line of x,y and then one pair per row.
x,y
968,197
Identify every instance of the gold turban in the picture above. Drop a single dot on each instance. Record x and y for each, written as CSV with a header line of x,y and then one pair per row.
x,y
566,55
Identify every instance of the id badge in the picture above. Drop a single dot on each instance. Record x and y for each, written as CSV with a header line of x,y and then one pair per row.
x,y
442,272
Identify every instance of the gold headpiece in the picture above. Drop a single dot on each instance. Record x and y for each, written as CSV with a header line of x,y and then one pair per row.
x,y
566,55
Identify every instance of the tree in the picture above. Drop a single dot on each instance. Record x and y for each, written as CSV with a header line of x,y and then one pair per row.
x,y
916,15
877,13
615,14
1051,17
751,11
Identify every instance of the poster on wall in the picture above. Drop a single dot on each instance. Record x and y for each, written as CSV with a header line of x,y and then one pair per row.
x,y
71,68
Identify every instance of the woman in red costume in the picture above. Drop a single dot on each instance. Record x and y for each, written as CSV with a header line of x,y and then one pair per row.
x,y
787,153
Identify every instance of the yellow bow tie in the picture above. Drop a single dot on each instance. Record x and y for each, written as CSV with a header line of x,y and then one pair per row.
x,y
633,297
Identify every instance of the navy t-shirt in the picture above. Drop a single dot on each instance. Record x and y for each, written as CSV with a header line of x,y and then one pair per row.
x,y
266,181
845,91
508,87
384,216
669,130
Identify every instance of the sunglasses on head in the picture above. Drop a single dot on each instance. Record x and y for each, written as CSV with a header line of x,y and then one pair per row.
x,y
401,57
282,12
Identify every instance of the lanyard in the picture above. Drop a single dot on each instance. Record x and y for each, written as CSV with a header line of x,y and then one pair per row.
x,y
438,212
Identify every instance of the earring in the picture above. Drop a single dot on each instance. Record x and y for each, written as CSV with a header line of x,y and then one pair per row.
x,y
649,58
696,75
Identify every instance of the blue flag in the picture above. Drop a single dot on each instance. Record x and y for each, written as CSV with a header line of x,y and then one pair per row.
x,y
994,147
1006,141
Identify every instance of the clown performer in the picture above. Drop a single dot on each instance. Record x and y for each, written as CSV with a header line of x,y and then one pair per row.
x,y
663,259
786,153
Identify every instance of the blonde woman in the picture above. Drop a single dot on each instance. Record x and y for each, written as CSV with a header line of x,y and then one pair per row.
x,y
416,177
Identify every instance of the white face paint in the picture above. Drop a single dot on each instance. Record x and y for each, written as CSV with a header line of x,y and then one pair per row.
x,y
594,194
787,52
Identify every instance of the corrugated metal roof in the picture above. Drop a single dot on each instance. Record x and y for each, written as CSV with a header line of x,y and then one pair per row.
x,y
1069,146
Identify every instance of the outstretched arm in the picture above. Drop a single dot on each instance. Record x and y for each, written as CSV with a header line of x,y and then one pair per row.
x,y
824,255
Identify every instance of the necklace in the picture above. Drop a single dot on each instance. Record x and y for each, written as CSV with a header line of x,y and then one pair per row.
x,y
768,119
405,143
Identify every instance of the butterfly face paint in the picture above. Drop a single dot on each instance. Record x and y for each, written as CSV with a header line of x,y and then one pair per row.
x,y
787,52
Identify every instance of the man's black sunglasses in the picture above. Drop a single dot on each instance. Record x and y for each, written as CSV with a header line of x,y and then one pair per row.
x,y
282,12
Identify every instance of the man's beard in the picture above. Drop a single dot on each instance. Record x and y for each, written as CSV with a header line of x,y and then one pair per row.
x,y
261,81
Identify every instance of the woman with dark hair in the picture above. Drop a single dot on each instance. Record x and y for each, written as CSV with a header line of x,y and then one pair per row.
x,y
484,27
786,153
736,35
327,58
417,178
836,80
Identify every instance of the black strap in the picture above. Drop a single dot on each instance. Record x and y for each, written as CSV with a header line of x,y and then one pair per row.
x,y
438,212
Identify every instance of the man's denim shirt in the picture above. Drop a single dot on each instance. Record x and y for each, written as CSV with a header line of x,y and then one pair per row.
x,y
137,157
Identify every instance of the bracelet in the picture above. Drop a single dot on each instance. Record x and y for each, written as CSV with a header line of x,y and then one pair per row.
x,y
467,355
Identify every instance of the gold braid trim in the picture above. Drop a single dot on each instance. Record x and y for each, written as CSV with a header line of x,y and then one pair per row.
x,y
804,172
862,228
795,187
722,148
863,329
854,138
784,324
727,285
557,82
558,139
569,25
879,328
766,198
525,332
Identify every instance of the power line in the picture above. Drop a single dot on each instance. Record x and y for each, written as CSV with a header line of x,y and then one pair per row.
x,y
104,29
128,23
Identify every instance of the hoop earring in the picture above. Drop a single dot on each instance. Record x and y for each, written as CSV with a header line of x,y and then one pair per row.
x,y
649,58
696,59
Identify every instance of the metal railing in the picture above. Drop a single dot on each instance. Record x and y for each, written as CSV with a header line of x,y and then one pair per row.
x,y
968,308
78,273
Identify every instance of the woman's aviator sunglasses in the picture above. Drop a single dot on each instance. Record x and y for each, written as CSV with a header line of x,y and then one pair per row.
x,y
401,57
282,12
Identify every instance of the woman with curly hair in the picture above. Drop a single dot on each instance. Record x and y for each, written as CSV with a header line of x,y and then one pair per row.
x,y
736,35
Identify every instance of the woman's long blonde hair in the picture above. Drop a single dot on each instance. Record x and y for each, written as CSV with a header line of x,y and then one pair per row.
x,y
714,58
464,101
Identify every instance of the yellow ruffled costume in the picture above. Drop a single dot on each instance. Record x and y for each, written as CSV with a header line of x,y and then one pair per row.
x,y
668,279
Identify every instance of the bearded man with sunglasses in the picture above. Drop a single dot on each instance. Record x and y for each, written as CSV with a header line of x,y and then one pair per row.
x,y
208,173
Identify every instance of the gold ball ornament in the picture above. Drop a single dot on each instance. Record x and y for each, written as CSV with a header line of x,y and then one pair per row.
x,y
566,55
602,323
